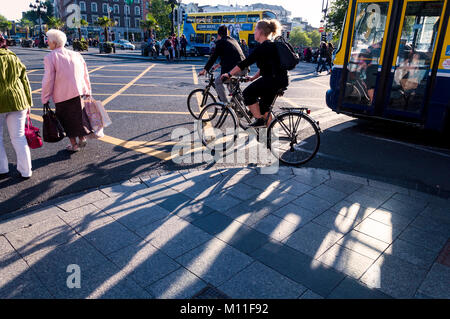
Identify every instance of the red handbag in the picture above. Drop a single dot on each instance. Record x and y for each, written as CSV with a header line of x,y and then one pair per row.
x,y
32,134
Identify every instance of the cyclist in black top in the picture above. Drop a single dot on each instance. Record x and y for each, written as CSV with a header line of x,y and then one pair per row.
x,y
270,78
230,53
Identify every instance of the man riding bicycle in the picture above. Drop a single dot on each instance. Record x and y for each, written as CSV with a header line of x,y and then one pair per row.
x,y
230,53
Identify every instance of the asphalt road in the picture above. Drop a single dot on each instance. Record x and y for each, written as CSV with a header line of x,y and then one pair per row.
x,y
146,101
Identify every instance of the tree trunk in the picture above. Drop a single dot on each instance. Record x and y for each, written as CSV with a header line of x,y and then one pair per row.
x,y
106,34
79,33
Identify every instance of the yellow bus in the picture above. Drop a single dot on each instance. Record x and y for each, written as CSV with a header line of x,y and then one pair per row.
x,y
199,28
393,63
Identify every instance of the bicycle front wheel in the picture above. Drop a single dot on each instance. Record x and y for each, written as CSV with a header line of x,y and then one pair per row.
x,y
217,127
197,99
293,138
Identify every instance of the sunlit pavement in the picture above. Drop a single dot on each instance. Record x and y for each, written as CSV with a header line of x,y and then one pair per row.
x,y
238,233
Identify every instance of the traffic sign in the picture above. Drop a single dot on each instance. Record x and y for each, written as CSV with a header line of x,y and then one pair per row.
x,y
321,29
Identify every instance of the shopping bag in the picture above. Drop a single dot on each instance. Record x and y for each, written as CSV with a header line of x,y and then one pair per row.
x,y
52,129
32,134
94,116
105,117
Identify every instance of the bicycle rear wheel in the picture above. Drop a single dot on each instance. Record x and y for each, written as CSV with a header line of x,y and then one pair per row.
x,y
293,138
216,127
197,99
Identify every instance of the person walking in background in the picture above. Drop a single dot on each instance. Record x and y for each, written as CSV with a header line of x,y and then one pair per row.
x,y
168,48
15,102
330,48
322,59
183,45
212,46
244,48
65,80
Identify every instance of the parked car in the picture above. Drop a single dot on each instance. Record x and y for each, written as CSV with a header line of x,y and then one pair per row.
x,y
27,43
124,45
191,50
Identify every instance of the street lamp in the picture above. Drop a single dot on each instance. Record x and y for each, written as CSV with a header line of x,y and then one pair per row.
x,y
172,5
38,6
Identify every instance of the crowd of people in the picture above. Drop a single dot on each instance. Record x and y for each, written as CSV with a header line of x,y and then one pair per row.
x,y
322,55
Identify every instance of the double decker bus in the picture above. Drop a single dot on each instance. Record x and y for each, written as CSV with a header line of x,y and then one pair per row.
x,y
393,63
199,28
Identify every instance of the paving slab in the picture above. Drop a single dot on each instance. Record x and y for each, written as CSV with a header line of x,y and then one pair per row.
x,y
335,221
276,227
313,203
258,281
414,254
295,214
82,199
346,261
143,262
436,284
179,284
103,282
215,261
343,186
251,211
174,236
394,276
349,288
430,240
313,239
378,230
364,244
328,193
299,267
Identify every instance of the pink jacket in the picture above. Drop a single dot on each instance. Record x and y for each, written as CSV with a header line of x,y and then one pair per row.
x,y
65,77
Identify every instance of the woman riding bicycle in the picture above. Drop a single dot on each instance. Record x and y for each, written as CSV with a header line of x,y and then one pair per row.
x,y
270,78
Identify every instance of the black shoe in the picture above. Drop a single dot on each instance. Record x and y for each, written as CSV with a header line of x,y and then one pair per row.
x,y
258,123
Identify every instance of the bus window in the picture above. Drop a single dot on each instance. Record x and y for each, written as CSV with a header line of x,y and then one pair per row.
x,y
200,20
207,38
241,18
200,38
415,52
269,15
190,19
253,18
208,19
370,24
192,38
217,19
229,19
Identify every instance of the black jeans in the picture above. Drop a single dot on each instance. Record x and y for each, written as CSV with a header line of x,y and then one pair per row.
x,y
263,91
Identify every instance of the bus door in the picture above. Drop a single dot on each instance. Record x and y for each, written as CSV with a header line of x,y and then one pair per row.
x,y
414,54
365,53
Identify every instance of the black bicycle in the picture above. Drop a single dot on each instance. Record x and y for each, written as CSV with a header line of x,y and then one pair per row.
x,y
292,136
198,98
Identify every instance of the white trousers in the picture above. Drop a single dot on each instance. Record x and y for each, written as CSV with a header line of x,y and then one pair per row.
x,y
15,121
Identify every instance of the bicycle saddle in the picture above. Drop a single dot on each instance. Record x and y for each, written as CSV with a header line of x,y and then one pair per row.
x,y
280,92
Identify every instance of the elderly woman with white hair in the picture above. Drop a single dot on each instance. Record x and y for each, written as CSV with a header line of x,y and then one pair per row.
x,y
66,80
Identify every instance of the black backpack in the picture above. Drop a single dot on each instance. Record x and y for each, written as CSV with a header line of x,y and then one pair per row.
x,y
288,58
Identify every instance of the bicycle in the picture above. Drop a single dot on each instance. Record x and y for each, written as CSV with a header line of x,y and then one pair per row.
x,y
293,136
206,96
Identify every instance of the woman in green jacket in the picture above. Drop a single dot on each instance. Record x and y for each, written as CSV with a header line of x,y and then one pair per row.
x,y
15,101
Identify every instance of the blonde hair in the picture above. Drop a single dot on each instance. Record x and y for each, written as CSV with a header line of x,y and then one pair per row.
x,y
58,37
270,28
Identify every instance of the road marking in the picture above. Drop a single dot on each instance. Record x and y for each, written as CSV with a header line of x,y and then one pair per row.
x,y
39,90
112,97
132,145
31,71
137,112
138,94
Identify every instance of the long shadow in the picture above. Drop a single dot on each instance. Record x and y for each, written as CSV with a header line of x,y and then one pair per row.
x,y
142,243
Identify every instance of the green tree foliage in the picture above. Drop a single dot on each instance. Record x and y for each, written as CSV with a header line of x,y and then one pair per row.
x,y
27,24
315,38
160,10
33,16
336,16
5,25
149,24
105,23
55,23
299,38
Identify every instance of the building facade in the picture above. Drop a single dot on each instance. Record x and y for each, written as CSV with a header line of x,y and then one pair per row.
x,y
127,17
